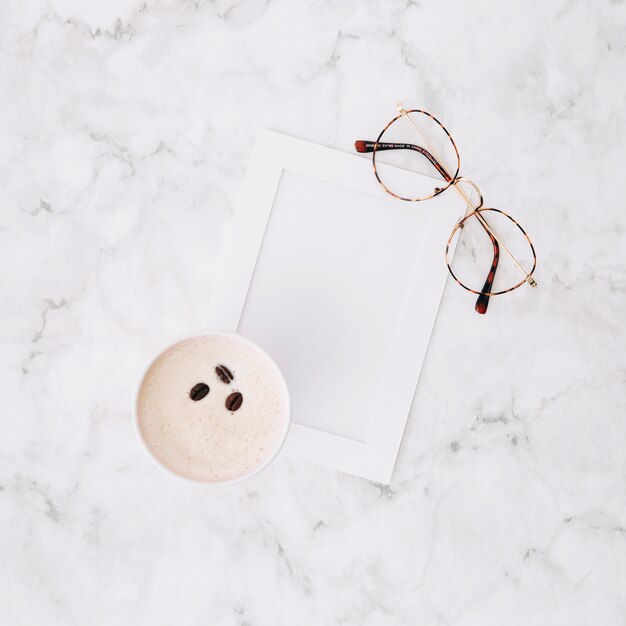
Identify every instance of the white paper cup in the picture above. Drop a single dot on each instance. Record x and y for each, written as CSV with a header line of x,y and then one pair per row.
x,y
286,401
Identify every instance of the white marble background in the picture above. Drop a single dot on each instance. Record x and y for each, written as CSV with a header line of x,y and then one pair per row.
x,y
125,128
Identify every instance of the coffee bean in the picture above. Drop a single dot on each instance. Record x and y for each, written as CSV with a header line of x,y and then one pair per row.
x,y
199,391
234,401
224,374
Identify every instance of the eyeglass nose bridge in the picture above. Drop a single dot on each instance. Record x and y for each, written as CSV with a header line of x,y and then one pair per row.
x,y
462,179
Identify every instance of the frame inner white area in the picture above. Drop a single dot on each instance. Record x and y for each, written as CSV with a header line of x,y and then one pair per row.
x,y
329,290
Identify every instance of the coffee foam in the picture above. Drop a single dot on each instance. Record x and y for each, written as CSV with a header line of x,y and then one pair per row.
x,y
203,440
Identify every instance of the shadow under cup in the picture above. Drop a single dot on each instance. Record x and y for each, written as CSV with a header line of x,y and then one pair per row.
x,y
212,408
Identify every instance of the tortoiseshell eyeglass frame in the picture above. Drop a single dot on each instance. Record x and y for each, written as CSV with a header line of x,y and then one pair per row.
x,y
453,180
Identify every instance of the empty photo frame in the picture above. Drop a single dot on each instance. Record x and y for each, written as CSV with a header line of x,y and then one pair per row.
x,y
340,283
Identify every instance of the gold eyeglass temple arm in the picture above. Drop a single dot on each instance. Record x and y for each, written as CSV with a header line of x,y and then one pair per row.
x,y
529,279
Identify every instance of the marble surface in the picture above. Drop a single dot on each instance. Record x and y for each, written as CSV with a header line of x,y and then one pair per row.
x,y
125,132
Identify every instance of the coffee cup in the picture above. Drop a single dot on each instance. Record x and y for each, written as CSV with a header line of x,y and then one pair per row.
x,y
212,408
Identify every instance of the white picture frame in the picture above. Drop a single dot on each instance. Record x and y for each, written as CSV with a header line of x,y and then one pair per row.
x,y
340,283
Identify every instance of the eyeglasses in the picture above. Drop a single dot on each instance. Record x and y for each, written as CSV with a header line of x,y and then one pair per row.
x,y
416,141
